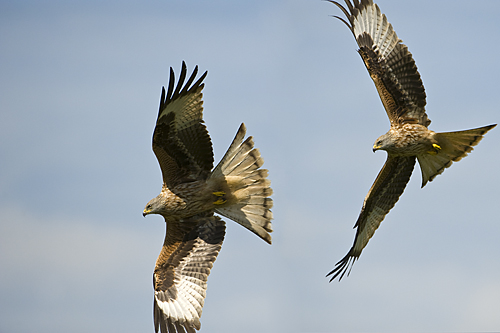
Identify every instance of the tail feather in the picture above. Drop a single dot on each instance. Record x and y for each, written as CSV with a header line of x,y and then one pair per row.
x,y
250,163
230,153
242,188
258,174
258,224
453,147
249,186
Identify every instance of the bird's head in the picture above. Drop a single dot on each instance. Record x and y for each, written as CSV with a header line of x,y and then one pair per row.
x,y
154,206
384,142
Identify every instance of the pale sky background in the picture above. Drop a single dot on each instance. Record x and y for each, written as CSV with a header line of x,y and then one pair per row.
x,y
80,84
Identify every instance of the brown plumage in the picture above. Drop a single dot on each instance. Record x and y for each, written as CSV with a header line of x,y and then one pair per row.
x,y
393,70
191,193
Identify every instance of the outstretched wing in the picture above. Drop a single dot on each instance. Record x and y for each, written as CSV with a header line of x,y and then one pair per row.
x,y
180,140
390,64
382,196
180,277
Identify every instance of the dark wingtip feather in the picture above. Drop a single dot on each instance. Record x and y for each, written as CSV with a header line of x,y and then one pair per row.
x,y
181,88
168,96
162,99
182,77
343,266
200,80
346,13
190,80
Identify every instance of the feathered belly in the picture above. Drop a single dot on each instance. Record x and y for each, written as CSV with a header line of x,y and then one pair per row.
x,y
411,140
187,199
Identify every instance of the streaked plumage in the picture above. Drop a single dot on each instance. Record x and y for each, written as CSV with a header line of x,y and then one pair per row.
x,y
393,70
237,188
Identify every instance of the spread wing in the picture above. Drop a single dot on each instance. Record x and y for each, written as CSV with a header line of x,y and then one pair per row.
x,y
382,196
180,277
180,140
390,64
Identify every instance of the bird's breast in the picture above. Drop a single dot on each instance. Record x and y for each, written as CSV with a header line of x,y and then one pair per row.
x,y
411,139
186,199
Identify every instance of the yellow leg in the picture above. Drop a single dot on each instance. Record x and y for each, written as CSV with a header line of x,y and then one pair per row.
x,y
220,194
220,201
436,147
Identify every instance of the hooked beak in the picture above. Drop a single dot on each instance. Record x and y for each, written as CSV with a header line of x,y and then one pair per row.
x,y
375,148
148,210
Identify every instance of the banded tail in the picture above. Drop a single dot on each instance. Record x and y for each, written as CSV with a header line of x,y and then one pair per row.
x,y
248,184
452,147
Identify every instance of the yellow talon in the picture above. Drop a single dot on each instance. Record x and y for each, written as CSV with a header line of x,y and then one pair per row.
x,y
219,194
436,149
220,202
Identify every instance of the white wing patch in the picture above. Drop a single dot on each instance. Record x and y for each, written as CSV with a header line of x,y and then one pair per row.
x,y
190,106
181,305
370,20
372,223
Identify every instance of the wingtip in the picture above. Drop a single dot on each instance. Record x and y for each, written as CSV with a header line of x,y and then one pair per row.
x,y
342,267
346,13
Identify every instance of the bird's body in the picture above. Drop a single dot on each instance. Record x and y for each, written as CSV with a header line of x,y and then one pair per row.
x,y
188,199
192,192
406,140
398,83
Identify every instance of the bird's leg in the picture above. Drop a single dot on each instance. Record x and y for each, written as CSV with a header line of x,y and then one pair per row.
x,y
436,147
221,199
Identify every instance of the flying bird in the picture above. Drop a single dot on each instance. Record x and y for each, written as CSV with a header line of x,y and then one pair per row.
x,y
192,192
393,70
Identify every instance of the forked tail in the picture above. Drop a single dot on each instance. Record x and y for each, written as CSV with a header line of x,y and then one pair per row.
x,y
451,147
240,166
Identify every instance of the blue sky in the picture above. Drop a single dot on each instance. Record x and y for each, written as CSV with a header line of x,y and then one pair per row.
x,y
80,84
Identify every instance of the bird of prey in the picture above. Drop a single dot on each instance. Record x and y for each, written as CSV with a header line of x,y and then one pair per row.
x,y
192,192
393,70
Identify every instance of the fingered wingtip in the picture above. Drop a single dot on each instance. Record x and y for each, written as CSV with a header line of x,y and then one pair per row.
x,y
342,267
